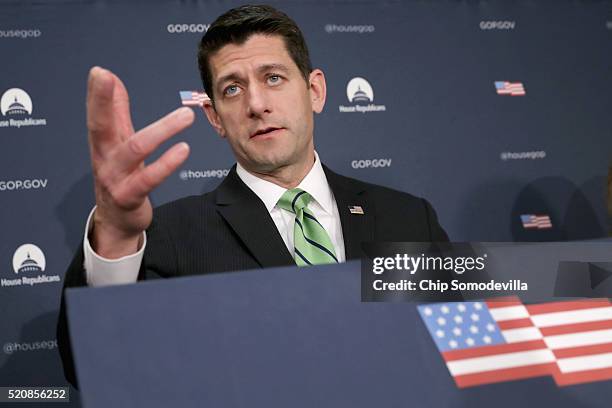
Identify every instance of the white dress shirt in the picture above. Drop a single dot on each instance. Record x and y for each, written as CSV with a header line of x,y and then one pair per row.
x,y
101,271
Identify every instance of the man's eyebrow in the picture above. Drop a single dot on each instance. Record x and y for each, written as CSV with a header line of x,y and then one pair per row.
x,y
272,67
232,76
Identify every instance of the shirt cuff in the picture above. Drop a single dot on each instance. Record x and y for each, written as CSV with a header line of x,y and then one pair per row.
x,y
101,271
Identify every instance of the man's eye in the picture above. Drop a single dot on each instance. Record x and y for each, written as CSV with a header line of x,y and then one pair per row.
x,y
274,79
231,90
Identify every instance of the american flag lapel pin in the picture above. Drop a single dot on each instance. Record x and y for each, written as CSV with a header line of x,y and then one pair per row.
x,y
356,209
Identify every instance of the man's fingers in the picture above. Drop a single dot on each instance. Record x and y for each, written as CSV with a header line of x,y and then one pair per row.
x,y
121,102
142,182
137,148
100,118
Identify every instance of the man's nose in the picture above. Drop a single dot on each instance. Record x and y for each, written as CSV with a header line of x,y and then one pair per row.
x,y
258,101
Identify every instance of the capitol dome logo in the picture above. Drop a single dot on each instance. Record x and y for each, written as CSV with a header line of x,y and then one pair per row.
x,y
15,101
360,94
29,264
16,105
359,90
29,258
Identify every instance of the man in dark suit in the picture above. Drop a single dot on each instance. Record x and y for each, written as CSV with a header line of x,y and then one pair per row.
x,y
278,206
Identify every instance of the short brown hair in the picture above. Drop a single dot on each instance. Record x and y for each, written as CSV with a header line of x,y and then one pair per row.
x,y
238,24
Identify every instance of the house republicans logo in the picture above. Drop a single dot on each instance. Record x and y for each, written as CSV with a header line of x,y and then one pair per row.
x,y
29,258
360,94
359,90
16,105
29,264
16,101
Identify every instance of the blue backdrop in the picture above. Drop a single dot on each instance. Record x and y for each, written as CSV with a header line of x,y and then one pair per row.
x,y
424,115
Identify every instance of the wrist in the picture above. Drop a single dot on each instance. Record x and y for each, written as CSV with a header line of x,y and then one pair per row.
x,y
111,242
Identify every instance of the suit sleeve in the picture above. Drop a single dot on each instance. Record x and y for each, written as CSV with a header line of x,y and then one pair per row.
x,y
436,232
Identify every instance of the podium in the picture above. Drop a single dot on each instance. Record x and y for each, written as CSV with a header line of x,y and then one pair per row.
x,y
286,337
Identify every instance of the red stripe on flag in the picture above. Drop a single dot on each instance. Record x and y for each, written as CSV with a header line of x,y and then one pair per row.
x,y
508,374
579,377
515,324
503,302
453,355
576,327
583,350
567,306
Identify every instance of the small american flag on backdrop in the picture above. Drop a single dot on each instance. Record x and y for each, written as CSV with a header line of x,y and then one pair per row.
x,y
193,98
536,221
503,340
510,88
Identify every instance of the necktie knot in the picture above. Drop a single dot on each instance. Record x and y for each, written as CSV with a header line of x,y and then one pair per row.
x,y
294,200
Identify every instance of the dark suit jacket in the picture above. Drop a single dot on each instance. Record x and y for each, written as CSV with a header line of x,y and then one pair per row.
x,y
230,229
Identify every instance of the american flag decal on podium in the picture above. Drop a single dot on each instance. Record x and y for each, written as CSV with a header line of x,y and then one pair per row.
x,y
503,340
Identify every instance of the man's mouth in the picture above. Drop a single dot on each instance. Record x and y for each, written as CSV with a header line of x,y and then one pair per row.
x,y
265,131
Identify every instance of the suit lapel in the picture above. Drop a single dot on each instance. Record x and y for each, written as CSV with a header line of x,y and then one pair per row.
x,y
356,228
248,217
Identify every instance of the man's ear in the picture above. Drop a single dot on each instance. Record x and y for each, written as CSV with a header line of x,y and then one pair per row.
x,y
213,117
318,90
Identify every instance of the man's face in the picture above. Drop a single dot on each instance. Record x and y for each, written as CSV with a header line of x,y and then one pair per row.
x,y
263,105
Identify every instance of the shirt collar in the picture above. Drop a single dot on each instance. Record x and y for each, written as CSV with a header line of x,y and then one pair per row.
x,y
315,184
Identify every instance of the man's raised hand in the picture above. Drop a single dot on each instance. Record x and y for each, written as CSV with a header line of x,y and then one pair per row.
x,y
122,181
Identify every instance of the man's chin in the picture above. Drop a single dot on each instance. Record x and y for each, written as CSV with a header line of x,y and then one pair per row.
x,y
269,166
270,160
267,163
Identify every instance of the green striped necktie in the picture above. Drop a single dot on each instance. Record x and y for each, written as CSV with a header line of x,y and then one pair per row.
x,y
311,242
